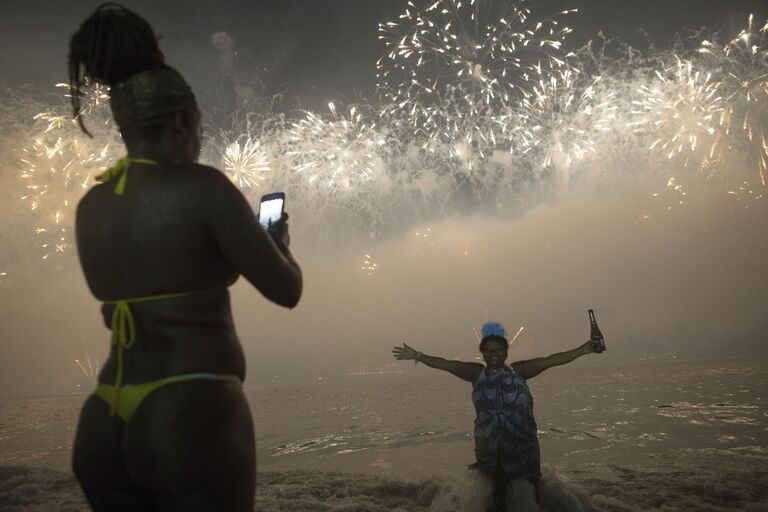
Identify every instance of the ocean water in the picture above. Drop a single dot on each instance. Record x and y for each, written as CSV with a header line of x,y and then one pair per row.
x,y
663,436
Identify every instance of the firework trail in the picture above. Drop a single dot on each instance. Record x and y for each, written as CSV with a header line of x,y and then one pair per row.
x,y
742,67
87,365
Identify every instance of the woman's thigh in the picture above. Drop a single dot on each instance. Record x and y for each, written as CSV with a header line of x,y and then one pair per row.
x,y
98,463
192,445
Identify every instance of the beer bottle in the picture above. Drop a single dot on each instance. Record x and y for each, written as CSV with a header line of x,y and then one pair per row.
x,y
598,343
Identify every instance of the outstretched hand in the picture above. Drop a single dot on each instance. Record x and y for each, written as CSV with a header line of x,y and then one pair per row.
x,y
404,352
588,347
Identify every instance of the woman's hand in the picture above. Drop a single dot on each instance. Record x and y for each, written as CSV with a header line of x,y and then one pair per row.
x,y
588,347
279,231
404,352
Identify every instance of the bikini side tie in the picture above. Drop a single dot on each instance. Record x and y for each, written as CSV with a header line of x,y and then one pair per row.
x,y
124,333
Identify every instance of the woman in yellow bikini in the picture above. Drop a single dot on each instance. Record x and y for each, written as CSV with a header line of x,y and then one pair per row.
x,y
160,240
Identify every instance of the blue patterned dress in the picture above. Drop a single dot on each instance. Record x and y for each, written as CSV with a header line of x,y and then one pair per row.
x,y
506,439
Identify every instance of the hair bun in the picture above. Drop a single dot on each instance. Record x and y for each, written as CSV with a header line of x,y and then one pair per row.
x,y
494,329
113,44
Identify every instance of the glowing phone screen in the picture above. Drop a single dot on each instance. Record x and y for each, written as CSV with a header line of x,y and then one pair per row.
x,y
270,212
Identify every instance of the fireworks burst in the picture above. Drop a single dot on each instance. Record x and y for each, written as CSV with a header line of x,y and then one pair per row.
x,y
338,153
559,126
95,98
743,65
246,163
55,176
450,70
59,166
480,108
454,129
685,108
490,49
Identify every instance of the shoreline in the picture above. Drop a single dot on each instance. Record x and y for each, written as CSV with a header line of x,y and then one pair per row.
x,y
598,487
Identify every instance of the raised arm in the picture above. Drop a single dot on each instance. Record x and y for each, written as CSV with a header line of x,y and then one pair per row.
x,y
464,371
532,367
269,267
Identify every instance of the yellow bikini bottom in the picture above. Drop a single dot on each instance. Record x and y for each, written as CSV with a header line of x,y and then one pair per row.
x,y
124,400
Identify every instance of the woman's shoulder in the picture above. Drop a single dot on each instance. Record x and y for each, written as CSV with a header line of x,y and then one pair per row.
x,y
94,195
202,171
206,178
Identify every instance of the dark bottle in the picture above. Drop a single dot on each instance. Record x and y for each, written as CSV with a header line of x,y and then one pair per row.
x,y
598,343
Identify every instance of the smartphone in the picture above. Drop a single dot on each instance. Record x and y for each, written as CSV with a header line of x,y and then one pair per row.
x,y
271,208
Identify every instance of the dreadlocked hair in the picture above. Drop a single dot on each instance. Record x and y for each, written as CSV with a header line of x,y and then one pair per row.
x,y
111,45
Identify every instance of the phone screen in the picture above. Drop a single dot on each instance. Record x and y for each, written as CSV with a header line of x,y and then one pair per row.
x,y
271,210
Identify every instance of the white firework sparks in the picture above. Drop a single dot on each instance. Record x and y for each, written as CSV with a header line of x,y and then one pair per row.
x,y
452,129
369,266
684,109
56,175
338,153
742,67
559,125
87,365
246,163
59,166
745,193
453,67
493,50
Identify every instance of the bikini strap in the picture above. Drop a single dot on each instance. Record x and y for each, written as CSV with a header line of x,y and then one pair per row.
x,y
120,170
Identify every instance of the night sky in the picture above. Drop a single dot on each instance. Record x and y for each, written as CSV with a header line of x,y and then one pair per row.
x,y
312,50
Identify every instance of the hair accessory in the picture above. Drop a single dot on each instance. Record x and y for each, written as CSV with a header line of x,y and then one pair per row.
x,y
493,329
150,95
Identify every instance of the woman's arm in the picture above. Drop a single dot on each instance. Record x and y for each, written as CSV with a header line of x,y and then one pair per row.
x,y
464,371
269,267
532,367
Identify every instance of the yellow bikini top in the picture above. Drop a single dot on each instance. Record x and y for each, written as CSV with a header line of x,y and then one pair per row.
x,y
120,170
